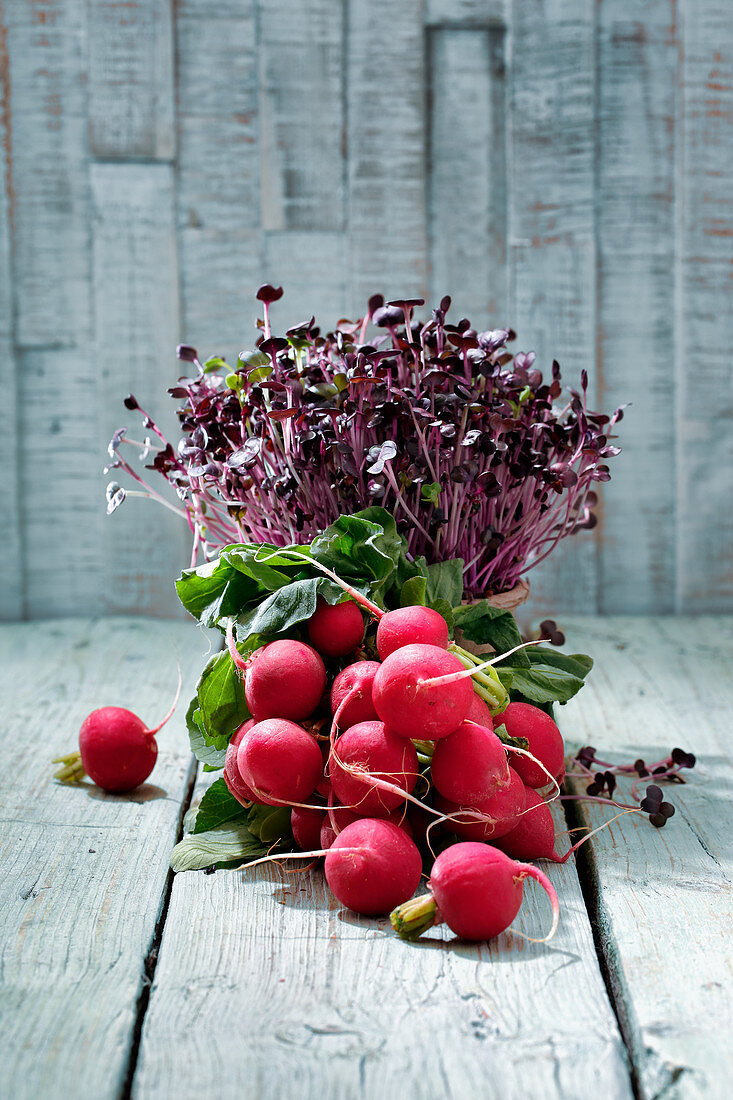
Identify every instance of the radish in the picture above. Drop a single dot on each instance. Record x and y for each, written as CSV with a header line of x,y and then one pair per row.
x,y
422,692
306,822
340,816
284,679
337,629
232,778
533,836
372,866
116,749
280,761
479,712
476,890
355,680
500,812
469,765
364,760
410,626
544,740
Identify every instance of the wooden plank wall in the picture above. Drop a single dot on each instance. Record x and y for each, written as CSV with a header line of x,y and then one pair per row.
x,y
561,166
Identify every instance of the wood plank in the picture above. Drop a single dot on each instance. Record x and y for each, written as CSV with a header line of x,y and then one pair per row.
x,y
467,173
220,244
704,309
46,43
131,86
302,141
11,570
84,872
552,252
386,141
312,268
464,13
143,546
638,56
339,1003
664,897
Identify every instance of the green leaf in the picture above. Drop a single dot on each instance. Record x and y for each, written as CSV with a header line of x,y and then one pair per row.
x,y
414,591
444,608
541,683
269,823
217,807
222,706
577,664
203,749
223,846
284,609
259,374
214,363
430,492
445,582
365,545
483,624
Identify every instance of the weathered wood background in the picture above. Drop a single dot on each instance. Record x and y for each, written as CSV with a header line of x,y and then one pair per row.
x,y
563,166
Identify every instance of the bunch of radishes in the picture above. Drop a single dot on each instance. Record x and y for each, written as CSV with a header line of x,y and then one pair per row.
x,y
411,746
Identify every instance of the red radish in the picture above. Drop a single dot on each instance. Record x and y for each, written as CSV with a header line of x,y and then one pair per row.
x,y
502,810
415,696
544,739
284,679
280,761
337,629
410,626
355,681
372,866
232,778
533,836
476,890
343,817
306,823
469,765
479,712
118,751
371,748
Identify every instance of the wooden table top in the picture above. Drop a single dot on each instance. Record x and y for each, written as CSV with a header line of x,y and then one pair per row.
x,y
118,980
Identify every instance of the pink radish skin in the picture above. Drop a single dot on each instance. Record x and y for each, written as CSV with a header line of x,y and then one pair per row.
x,y
479,712
280,761
344,817
380,870
479,890
533,836
232,778
284,679
545,742
414,708
118,751
306,826
469,765
357,678
502,810
335,630
370,747
411,626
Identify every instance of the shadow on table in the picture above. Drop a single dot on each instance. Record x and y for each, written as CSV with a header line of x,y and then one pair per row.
x,y
147,792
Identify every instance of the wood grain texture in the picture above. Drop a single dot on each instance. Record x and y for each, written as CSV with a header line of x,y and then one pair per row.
x,y
84,873
704,452
552,251
638,56
663,898
301,79
137,326
51,217
11,564
220,238
312,269
131,85
385,94
470,13
338,1003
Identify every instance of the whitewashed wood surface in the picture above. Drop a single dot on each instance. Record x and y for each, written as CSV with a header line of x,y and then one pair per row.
x,y
564,167
262,984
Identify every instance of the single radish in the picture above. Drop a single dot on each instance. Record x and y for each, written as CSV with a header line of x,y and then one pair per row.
x,y
280,761
479,712
306,823
544,740
365,758
469,765
336,629
500,812
116,749
340,816
232,778
533,836
284,679
422,692
356,682
476,890
372,866
411,626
